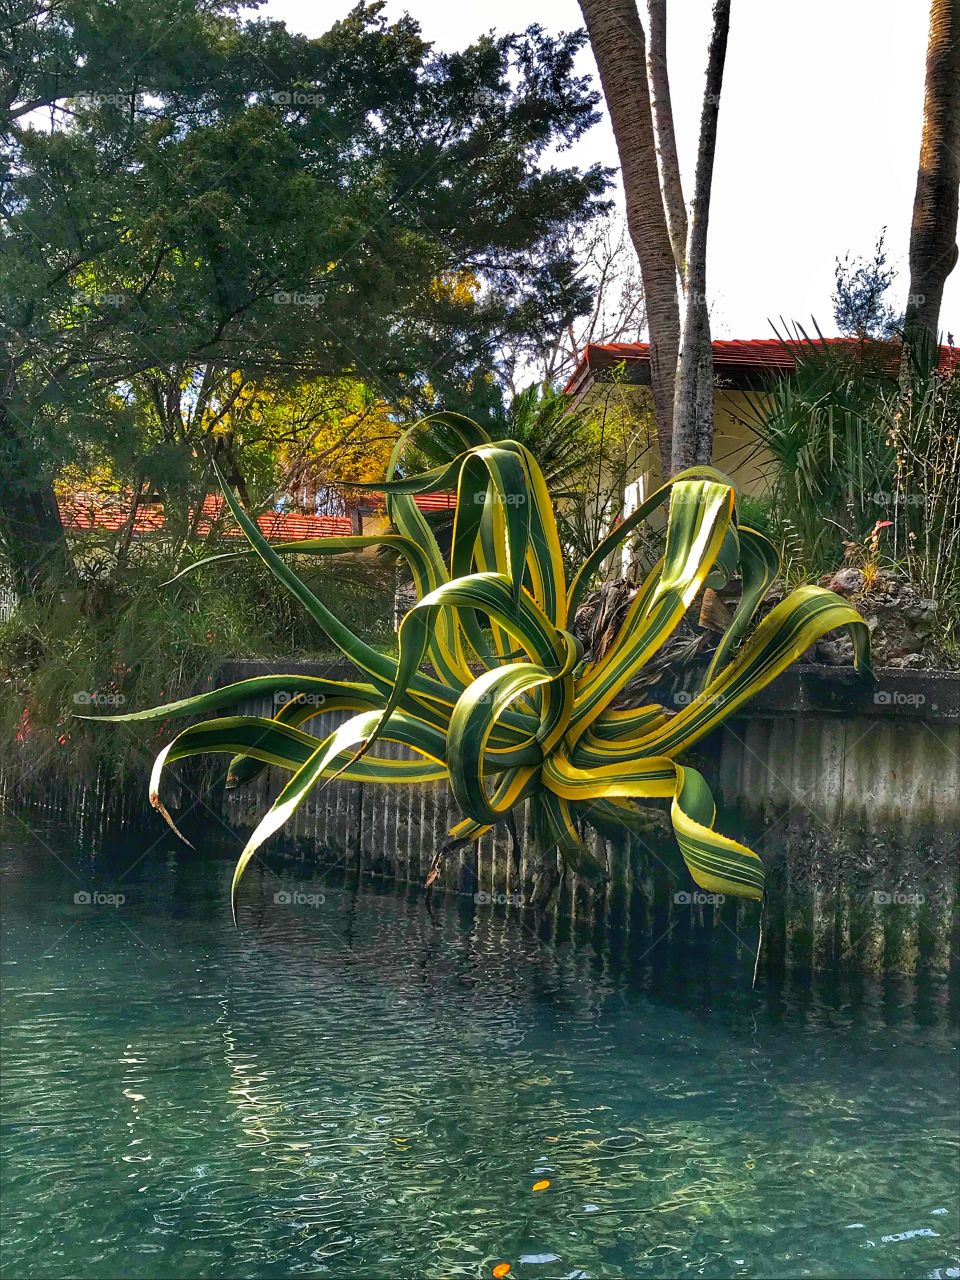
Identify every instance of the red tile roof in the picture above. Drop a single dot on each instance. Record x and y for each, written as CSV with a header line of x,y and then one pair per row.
x,y
279,526
425,501
436,501
761,355
78,516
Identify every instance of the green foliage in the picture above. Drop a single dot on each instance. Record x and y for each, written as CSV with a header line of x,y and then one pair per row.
x,y
189,190
566,443
562,440
832,462
587,454
923,428
623,431
858,458
538,723
860,307
127,637
104,647
758,511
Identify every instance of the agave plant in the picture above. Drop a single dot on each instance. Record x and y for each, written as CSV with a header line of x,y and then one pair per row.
x,y
491,691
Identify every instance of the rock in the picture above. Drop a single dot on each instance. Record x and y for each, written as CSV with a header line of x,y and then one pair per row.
x,y
835,650
909,662
902,623
847,581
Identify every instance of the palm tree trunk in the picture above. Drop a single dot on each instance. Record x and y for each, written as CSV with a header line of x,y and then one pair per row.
x,y
666,136
933,232
619,46
693,411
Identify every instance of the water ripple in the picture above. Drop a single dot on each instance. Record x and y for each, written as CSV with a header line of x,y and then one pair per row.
x,y
373,1093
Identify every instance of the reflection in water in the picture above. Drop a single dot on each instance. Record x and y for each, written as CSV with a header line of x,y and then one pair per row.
x,y
363,1089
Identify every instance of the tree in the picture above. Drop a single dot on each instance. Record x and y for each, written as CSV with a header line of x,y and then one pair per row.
x,y
658,72
186,190
551,346
860,309
681,374
933,231
276,442
619,46
693,405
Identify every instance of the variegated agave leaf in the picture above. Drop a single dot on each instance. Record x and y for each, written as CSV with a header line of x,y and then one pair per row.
x,y
537,722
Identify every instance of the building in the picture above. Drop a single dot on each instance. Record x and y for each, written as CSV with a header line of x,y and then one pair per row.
x,y
743,370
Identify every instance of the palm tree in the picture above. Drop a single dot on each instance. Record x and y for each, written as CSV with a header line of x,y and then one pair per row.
x,y
619,46
673,202
563,441
933,232
693,408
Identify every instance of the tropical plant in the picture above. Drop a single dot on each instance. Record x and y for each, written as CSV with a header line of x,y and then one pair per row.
x,y
624,431
831,458
563,440
120,639
852,451
636,87
588,454
694,400
538,722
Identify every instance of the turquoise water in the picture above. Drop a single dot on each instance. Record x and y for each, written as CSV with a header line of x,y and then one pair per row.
x,y
352,1086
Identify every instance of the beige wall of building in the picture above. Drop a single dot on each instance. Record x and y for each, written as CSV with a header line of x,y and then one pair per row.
x,y
737,450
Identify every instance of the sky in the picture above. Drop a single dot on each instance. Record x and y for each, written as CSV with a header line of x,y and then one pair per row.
x,y
819,135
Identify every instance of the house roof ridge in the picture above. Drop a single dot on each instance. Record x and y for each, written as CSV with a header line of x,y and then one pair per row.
x,y
758,354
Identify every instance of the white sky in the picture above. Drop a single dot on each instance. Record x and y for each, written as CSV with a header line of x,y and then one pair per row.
x,y
818,142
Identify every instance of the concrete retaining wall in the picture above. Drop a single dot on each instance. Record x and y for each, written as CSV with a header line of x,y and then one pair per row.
x,y
852,794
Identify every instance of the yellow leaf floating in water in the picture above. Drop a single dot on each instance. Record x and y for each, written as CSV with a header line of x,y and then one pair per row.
x,y
501,1269
541,1186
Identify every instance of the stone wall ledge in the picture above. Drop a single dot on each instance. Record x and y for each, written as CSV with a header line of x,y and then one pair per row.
x,y
812,688
803,689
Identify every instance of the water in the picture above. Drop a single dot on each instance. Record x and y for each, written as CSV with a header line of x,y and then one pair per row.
x,y
355,1088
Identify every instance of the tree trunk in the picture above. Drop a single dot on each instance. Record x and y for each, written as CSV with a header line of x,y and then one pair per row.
x,y
665,134
619,46
933,232
130,524
31,530
693,412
